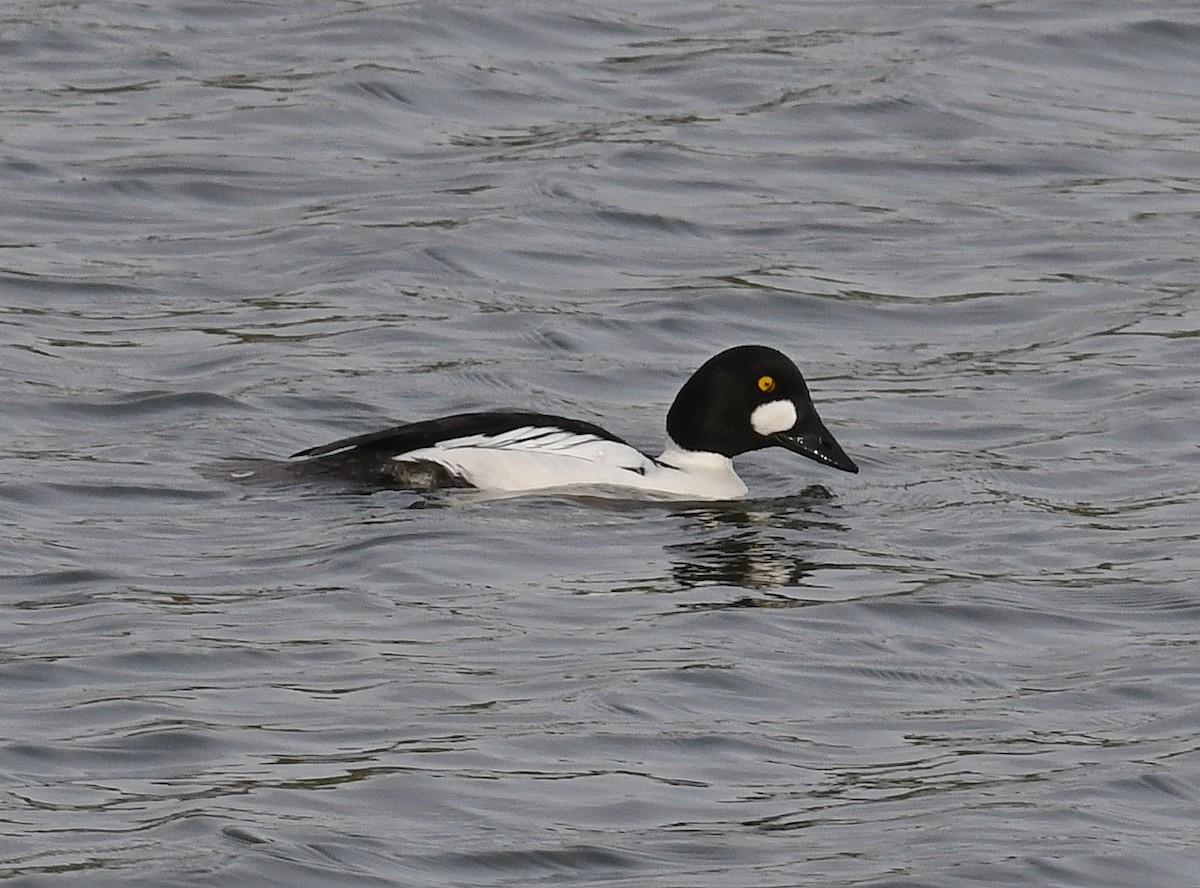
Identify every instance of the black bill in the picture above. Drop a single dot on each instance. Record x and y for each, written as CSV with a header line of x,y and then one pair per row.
x,y
813,440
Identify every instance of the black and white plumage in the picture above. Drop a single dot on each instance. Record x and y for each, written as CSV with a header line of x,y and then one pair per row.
x,y
746,398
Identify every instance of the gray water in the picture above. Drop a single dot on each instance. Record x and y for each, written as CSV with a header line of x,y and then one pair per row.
x,y
241,229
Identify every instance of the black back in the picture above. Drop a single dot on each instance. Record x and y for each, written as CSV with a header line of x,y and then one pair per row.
x,y
419,435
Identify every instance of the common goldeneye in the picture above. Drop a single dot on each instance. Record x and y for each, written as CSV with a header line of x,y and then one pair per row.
x,y
746,398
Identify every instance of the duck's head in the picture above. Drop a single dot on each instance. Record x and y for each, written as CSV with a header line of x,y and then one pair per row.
x,y
748,398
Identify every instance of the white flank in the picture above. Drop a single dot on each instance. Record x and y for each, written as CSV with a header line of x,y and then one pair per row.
x,y
773,417
532,458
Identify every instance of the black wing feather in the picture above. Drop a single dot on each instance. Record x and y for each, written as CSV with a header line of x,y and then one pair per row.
x,y
417,435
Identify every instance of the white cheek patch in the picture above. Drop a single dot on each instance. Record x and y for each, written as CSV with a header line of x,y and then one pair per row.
x,y
773,417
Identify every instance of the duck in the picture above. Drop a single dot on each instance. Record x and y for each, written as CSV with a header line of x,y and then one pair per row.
x,y
747,398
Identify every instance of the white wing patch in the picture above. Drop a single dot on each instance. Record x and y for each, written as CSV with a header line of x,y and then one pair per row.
x,y
529,439
533,458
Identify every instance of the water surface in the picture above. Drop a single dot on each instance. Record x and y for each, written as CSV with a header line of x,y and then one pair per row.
x,y
243,229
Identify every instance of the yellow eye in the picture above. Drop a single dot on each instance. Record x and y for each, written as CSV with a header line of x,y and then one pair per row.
x,y
766,384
